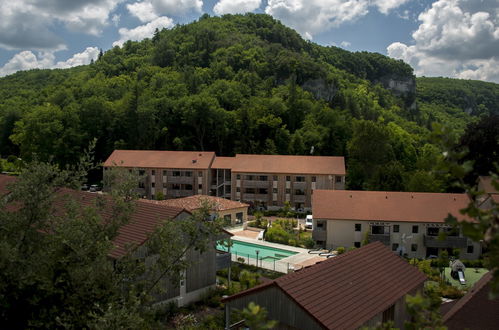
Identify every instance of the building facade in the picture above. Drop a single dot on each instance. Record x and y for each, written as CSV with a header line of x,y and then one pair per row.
x,y
411,224
263,181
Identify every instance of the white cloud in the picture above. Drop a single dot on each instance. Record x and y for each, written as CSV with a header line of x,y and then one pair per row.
x,y
176,7
32,23
310,17
27,60
452,40
345,44
385,6
116,19
143,31
236,6
144,11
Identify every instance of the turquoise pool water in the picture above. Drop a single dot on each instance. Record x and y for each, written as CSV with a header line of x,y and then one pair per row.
x,y
248,250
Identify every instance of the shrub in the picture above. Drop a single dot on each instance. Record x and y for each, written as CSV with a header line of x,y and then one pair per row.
x,y
308,243
450,291
292,242
340,250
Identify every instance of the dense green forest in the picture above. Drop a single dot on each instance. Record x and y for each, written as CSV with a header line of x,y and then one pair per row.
x,y
247,84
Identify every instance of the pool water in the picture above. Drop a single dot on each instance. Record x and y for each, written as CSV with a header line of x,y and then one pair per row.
x,y
248,250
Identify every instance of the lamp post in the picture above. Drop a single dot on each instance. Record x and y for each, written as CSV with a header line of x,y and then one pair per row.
x,y
257,252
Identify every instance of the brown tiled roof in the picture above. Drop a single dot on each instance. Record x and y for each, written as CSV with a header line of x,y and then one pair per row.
x,y
386,206
346,291
475,310
195,202
5,180
223,162
486,183
322,165
161,159
145,218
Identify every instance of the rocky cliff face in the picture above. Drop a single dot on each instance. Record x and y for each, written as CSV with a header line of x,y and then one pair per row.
x,y
403,87
320,89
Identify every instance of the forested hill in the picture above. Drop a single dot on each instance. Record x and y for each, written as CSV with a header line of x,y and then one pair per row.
x,y
237,83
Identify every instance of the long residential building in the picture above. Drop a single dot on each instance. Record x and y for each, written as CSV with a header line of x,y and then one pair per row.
x,y
412,224
264,181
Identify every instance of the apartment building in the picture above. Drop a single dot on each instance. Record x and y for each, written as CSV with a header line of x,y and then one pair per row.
x,y
269,181
263,181
173,173
409,223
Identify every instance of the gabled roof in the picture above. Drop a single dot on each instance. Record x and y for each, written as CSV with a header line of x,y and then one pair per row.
x,y
485,182
5,180
161,159
195,202
386,206
475,310
346,291
143,221
223,162
321,165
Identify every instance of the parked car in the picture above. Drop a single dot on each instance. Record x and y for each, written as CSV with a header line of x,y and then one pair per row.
x,y
94,188
309,221
84,187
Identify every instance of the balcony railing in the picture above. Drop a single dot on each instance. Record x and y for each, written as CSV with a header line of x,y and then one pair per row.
x,y
448,242
299,185
383,238
256,184
319,234
180,193
299,198
180,179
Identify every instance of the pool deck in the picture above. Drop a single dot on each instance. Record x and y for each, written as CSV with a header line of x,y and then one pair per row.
x,y
297,261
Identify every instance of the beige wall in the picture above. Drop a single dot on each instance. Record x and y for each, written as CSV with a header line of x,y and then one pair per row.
x,y
233,213
342,233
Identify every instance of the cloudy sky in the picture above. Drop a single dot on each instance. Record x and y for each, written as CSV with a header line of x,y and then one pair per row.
x,y
454,38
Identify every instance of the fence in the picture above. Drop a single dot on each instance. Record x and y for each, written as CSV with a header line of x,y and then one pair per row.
x,y
265,262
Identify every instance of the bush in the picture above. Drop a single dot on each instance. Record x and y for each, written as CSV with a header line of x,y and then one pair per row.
x,y
450,291
292,242
308,242
340,250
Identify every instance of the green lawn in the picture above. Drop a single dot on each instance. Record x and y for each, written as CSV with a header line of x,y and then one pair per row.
x,y
470,275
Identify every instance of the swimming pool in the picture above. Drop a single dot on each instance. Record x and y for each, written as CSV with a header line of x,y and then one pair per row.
x,y
248,250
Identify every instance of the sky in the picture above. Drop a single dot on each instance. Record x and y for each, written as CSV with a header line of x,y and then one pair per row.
x,y
450,38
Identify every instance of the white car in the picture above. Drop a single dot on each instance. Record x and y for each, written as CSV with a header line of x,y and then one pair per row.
x,y
308,221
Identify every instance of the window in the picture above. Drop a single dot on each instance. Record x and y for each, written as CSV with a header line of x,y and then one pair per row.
x,y
176,173
153,172
299,192
175,186
395,246
274,190
188,173
320,224
415,229
396,228
300,179
274,203
200,174
249,190
274,177
141,172
338,179
314,179
188,187
153,184
263,191
227,219
165,185
238,177
238,189
141,185
164,173
248,177
288,191
200,186
262,178
288,178
377,230
470,249
356,244
414,247
358,227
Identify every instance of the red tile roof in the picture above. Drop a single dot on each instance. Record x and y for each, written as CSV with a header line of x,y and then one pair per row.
x,y
346,291
387,206
196,202
5,180
161,159
223,162
475,310
321,165
145,218
486,184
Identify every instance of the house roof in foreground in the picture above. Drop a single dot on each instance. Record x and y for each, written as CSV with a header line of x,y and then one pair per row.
x,y
161,159
474,310
5,180
195,202
387,206
287,164
346,291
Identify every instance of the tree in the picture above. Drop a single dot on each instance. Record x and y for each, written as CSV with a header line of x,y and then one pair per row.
x,y
255,317
54,253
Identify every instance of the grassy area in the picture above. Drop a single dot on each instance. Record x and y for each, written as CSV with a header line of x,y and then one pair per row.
x,y
470,274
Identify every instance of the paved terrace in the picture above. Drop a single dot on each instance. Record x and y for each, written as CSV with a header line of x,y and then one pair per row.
x,y
297,261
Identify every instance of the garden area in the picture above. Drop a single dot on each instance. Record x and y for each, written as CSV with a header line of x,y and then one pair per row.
x,y
208,313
